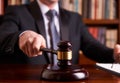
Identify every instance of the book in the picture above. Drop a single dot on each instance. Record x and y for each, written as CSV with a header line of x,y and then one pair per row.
x,y
99,9
101,35
94,31
93,9
80,7
1,7
112,9
25,1
14,2
85,8
111,37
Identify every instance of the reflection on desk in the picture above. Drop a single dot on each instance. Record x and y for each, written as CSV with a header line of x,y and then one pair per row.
x,y
31,74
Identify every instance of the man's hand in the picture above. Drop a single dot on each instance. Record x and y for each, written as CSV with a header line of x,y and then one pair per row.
x,y
117,53
30,43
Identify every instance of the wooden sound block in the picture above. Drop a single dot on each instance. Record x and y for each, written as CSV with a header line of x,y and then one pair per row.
x,y
68,73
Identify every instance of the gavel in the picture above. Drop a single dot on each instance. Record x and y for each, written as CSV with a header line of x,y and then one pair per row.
x,y
63,70
64,53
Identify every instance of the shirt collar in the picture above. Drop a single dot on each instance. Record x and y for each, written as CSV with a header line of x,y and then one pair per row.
x,y
45,9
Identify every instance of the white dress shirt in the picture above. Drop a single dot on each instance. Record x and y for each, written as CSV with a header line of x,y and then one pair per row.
x,y
44,9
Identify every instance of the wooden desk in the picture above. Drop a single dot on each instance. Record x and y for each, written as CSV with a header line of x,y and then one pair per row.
x,y
31,74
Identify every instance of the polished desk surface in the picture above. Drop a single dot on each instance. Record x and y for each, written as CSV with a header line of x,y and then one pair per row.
x,y
31,74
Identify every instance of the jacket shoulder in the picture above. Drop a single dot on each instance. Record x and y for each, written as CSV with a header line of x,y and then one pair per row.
x,y
69,12
15,8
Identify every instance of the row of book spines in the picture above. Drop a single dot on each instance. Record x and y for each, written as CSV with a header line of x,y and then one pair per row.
x,y
93,9
18,2
12,2
100,9
1,7
107,36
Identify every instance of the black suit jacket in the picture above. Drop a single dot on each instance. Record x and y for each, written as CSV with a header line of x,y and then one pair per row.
x,y
28,17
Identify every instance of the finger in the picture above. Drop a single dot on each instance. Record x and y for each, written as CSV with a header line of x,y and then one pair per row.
x,y
36,44
29,49
24,49
43,43
39,53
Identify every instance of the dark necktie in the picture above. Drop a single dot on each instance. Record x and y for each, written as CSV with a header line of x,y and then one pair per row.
x,y
54,36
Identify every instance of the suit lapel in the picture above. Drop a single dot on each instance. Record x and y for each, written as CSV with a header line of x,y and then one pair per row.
x,y
64,26
36,13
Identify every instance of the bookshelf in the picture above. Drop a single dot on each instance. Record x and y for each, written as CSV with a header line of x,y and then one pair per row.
x,y
103,22
5,3
93,21
91,9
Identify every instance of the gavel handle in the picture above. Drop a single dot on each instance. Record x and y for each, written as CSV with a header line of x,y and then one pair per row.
x,y
48,50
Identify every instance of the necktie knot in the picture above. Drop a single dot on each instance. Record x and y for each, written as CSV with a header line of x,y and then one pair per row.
x,y
50,14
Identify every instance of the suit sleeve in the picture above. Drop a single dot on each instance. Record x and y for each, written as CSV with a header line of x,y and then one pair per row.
x,y
9,31
93,49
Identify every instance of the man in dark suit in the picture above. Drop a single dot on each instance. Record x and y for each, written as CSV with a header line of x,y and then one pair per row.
x,y
24,31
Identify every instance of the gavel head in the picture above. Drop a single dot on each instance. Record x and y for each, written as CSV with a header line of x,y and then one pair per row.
x,y
64,70
64,54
